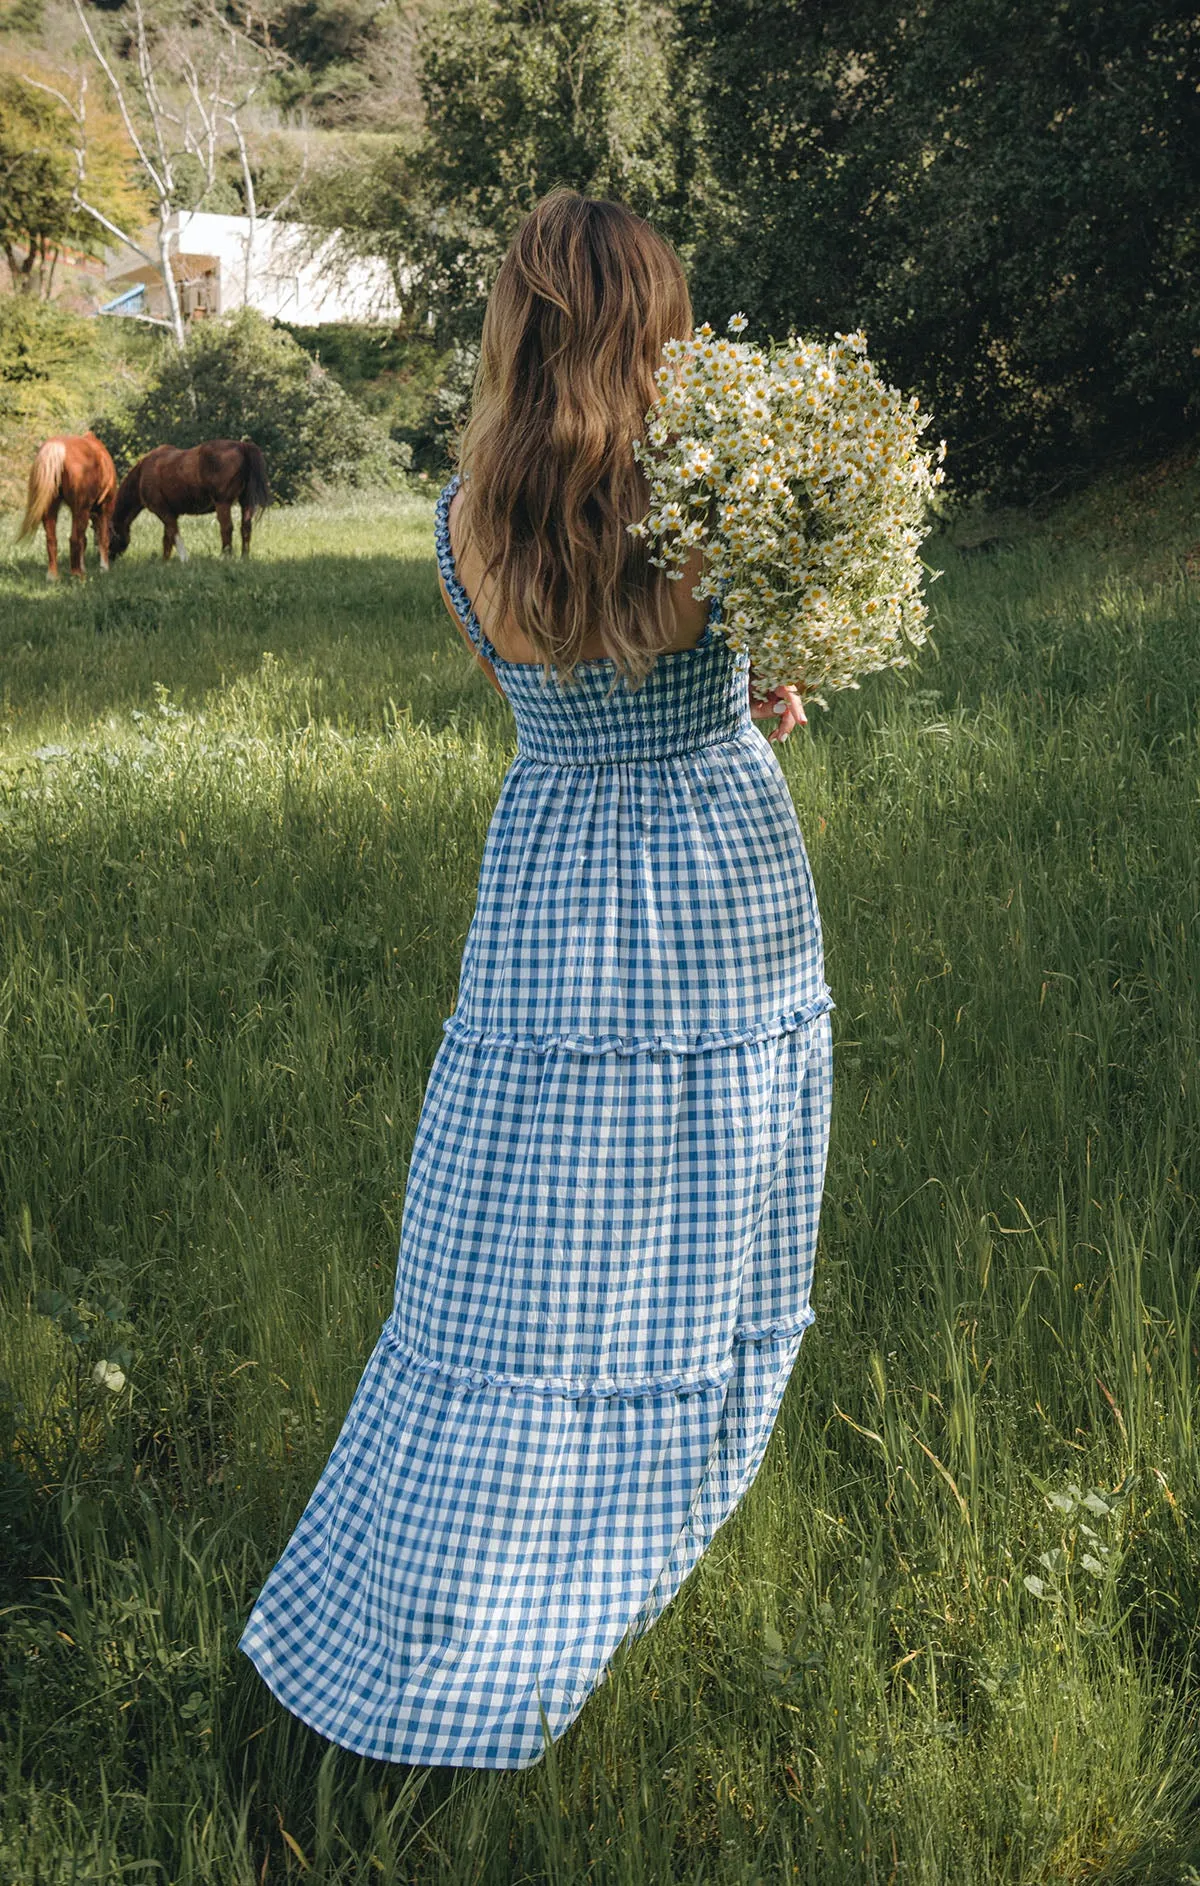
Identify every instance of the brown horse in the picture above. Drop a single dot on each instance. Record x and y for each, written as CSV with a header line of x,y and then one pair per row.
x,y
79,472
176,483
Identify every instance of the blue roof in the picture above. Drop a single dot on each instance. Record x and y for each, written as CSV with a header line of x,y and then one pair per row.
x,y
128,303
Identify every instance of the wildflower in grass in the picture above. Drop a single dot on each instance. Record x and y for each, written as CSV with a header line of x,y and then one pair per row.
x,y
802,475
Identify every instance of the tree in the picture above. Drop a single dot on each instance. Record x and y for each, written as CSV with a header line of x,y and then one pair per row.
x,y
182,94
36,205
245,376
1018,234
519,95
38,213
352,61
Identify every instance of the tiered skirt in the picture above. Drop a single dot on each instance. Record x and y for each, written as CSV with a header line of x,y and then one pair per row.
x,y
603,1283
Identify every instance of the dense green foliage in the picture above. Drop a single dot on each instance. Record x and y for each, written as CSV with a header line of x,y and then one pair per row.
x,y
1020,235
950,1639
349,61
40,347
245,378
518,97
54,369
394,373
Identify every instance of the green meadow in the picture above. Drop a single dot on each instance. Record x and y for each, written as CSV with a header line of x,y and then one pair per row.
x,y
951,1635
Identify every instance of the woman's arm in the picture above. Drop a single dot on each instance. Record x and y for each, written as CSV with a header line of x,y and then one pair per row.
x,y
483,661
783,705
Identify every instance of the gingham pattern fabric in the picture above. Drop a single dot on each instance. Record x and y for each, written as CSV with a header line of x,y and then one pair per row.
x,y
608,1233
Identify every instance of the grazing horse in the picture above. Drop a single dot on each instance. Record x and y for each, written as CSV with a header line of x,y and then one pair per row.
x,y
176,483
79,472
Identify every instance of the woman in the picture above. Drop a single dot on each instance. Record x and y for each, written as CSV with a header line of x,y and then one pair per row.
x,y
612,1204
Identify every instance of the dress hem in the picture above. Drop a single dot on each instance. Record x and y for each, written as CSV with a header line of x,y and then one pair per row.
x,y
367,1747
409,1742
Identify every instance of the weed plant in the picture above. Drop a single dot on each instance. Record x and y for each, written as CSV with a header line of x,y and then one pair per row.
x,y
951,1634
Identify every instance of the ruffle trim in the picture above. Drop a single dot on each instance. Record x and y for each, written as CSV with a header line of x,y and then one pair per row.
x,y
697,1381
449,571
705,1041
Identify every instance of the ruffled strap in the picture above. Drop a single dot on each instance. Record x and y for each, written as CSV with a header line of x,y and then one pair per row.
x,y
463,607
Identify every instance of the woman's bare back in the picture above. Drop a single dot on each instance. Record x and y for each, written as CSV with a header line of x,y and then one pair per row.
x,y
512,645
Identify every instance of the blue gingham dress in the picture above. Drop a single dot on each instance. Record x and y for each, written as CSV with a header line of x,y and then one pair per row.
x,y
608,1231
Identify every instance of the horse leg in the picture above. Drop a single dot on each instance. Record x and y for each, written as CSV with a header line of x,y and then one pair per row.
x,y
172,540
225,520
247,525
100,523
79,524
50,522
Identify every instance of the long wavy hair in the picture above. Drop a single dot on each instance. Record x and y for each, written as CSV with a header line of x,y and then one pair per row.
x,y
573,332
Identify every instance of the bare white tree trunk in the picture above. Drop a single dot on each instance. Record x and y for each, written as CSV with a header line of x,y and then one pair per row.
x,y
250,195
156,163
167,239
220,80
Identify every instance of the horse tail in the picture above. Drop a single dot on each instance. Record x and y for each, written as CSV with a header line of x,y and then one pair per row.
x,y
45,481
256,491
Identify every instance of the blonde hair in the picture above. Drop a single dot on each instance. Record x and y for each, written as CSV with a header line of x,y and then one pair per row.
x,y
573,332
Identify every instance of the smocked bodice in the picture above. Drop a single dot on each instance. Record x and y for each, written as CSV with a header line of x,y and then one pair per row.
x,y
644,887
692,698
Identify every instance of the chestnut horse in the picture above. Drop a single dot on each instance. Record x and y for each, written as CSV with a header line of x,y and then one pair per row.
x,y
79,472
175,483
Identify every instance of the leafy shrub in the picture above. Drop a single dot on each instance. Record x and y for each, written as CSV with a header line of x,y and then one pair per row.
x,y
245,378
40,351
54,366
395,374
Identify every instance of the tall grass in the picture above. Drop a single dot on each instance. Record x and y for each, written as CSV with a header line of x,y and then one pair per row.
x,y
951,1635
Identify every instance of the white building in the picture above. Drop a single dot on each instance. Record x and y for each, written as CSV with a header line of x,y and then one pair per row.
x,y
283,270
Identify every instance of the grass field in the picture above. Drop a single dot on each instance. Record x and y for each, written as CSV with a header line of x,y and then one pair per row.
x,y
951,1636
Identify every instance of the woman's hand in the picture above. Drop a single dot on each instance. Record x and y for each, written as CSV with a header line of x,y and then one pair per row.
x,y
785,704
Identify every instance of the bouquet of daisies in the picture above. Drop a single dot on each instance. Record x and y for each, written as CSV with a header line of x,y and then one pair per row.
x,y
802,476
